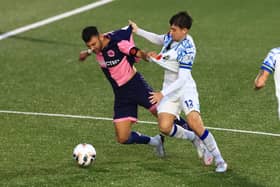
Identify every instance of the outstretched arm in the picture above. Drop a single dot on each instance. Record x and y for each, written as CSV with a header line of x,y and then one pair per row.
x,y
261,79
84,54
152,37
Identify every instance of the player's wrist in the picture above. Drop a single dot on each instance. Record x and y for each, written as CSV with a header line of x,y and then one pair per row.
x,y
89,51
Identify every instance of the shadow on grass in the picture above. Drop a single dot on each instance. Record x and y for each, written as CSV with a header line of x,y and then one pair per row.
x,y
187,175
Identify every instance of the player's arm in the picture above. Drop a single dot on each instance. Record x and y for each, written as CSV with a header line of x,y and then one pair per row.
x,y
183,75
128,48
138,53
152,37
261,79
84,54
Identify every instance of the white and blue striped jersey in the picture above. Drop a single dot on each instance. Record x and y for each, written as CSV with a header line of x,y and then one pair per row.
x,y
185,50
177,59
183,53
270,60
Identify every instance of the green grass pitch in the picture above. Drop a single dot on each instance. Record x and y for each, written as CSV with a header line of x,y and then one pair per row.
x,y
39,72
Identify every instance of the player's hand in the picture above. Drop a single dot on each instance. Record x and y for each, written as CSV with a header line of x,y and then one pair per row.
x,y
152,54
261,79
259,84
83,55
155,97
133,25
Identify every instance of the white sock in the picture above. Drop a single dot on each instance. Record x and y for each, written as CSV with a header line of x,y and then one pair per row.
x,y
179,132
211,145
153,141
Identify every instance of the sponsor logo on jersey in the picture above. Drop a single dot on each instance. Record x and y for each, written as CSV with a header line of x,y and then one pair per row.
x,y
111,63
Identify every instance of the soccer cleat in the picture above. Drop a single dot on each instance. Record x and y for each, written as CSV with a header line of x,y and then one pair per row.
x,y
159,148
221,167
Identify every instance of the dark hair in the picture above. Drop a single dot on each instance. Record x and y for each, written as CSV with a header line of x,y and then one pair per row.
x,y
88,32
182,20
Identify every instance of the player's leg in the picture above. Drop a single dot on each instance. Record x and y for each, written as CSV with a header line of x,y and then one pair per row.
x,y
168,128
167,112
191,108
125,135
181,122
177,121
195,122
125,113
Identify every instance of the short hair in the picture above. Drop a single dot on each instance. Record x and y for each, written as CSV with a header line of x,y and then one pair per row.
x,y
89,32
181,19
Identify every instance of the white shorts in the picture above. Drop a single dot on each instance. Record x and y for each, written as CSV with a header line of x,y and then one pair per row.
x,y
188,102
168,105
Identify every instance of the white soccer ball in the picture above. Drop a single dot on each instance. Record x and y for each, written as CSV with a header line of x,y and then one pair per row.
x,y
84,154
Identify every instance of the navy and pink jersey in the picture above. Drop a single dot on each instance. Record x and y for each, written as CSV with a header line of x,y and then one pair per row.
x,y
115,60
130,88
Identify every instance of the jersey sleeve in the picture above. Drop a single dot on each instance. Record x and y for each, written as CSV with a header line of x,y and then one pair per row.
x,y
186,56
125,46
269,63
152,37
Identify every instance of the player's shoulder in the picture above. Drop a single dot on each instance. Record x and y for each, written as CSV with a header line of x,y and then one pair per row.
x,y
187,46
188,42
121,34
275,50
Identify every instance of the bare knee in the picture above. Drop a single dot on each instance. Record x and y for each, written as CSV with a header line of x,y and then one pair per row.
x,y
123,131
195,122
122,139
165,123
165,129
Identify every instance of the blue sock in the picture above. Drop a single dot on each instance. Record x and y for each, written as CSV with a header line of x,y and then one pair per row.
x,y
204,135
181,122
137,138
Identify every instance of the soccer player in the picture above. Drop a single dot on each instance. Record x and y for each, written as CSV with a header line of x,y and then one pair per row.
x,y
270,64
116,54
179,88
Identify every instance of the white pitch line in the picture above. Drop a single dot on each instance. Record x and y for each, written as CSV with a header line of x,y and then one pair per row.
x,y
110,119
54,18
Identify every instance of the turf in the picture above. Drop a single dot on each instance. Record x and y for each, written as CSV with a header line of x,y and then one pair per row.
x,y
40,73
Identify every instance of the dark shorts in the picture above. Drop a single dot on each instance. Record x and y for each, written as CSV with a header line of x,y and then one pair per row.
x,y
127,98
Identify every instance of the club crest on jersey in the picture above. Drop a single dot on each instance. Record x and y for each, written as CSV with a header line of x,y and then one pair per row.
x,y
167,57
111,53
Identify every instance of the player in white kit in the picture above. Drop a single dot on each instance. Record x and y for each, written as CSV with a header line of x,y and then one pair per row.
x,y
271,64
179,89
